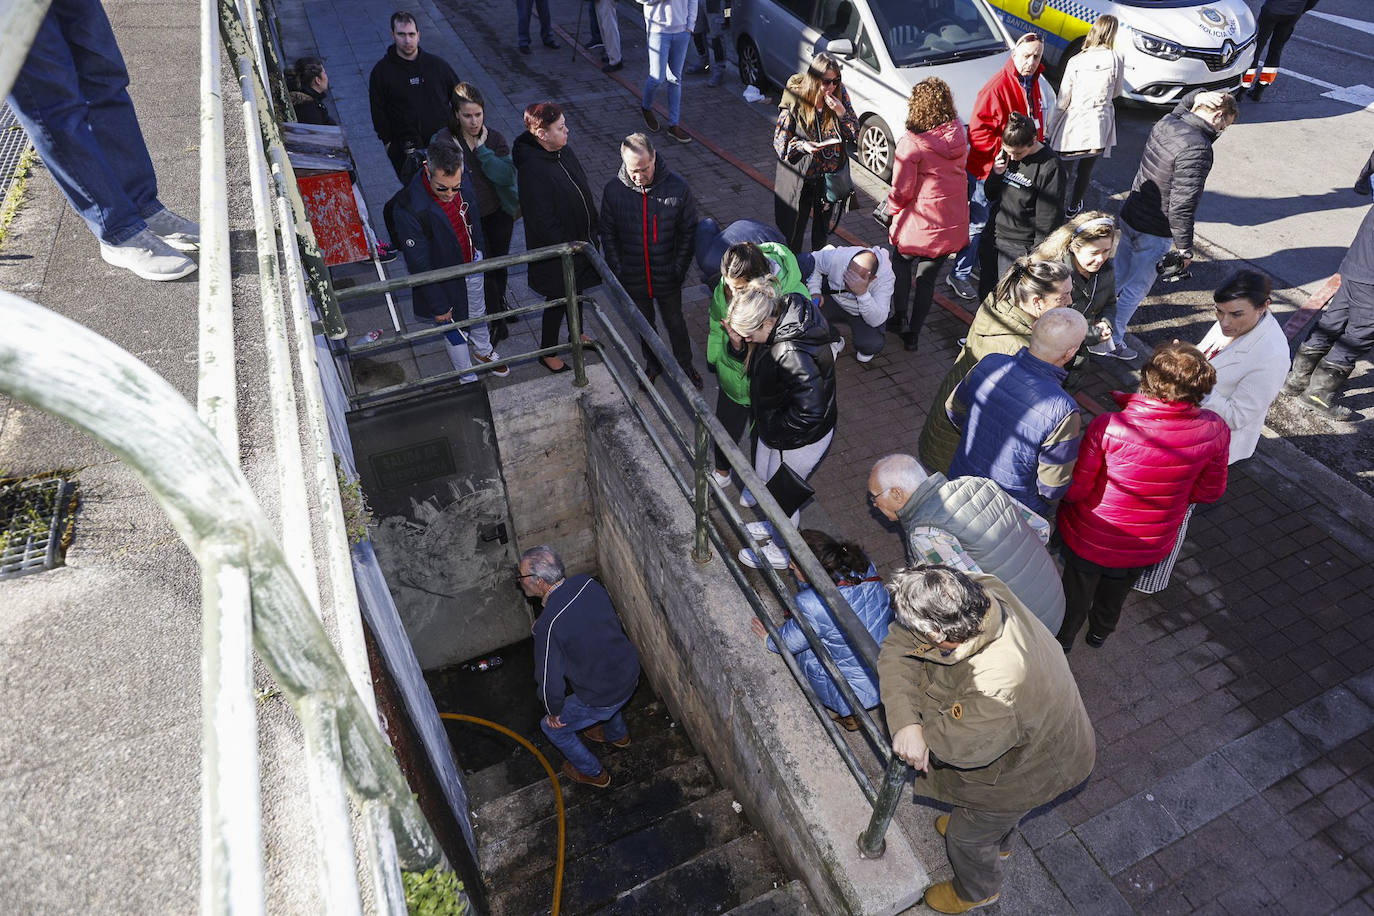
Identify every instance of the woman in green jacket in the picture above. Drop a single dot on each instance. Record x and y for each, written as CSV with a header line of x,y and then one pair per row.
x,y
1002,325
726,353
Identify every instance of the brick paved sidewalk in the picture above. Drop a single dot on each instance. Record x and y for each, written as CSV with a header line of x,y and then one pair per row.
x,y
1234,710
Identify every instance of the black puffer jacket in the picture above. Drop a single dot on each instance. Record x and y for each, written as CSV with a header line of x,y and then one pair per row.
x,y
1173,170
558,207
792,378
1287,7
1095,298
648,234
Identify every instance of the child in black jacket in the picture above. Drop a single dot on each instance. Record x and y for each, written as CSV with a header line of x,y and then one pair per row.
x,y
1026,193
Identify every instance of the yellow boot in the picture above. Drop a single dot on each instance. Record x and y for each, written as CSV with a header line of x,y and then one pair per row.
x,y
942,824
942,898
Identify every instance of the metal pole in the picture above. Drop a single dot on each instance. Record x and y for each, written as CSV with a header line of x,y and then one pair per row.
x,y
579,361
701,552
872,844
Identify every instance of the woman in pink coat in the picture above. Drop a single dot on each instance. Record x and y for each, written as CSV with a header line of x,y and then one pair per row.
x,y
1138,471
928,203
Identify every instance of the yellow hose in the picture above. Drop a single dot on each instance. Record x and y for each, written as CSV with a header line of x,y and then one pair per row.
x,y
557,795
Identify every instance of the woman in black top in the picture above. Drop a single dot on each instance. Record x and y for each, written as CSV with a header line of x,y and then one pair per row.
x,y
558,206
1084,245
307,95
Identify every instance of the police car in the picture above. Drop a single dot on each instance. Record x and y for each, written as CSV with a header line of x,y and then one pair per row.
x,y
1169,47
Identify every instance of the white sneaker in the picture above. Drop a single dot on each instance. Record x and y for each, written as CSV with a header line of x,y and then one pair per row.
x,y
747,500
760,531
491,356
864,357
149,257
773,555
837,347
175,229
722,478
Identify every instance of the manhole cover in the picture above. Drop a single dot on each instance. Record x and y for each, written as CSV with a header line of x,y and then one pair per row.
x,y
33,525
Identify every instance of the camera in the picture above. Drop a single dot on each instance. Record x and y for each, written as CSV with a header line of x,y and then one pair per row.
x,y
1173,267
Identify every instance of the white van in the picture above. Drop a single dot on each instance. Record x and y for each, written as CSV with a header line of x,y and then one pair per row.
x,y
888,46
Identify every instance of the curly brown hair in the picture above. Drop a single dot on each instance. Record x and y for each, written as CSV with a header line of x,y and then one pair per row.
x,y
931,104
1177,371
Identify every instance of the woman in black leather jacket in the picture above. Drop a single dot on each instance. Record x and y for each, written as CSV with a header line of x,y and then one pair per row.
x,y
791,389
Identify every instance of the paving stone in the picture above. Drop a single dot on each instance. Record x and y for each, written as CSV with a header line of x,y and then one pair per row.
x,y
1345,881
1320,775
1202,791
1043,828
1269,753
1332,718
1140,882
1128,832
1362,686
1080,878
1345,798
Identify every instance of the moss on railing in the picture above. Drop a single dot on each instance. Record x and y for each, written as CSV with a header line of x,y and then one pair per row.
x,y
435,892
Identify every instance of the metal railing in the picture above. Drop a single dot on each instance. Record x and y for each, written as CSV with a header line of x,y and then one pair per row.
x,y
698,486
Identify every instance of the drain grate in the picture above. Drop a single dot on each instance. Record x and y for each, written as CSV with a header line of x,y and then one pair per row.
x,y
13,143
33,526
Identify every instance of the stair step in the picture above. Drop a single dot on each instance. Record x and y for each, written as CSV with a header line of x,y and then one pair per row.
x,y
603,818
598,878
488,788
792,899
713,882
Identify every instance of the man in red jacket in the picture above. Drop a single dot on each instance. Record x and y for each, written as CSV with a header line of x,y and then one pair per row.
x,y
1016,87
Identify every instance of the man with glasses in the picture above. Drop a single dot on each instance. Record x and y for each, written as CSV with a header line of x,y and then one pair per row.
x,y
585,665
430,223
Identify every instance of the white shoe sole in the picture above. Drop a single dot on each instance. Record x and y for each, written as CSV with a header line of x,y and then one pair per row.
x,y
187,270
180,243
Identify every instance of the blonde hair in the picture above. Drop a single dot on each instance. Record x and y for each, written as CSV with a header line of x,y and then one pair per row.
x,y
1084,229
752,306
1102,34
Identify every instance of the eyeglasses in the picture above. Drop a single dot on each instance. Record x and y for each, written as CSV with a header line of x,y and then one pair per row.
x,y
873,498
520,576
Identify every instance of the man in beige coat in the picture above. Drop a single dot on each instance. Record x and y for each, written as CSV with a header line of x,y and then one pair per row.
x,y
979,697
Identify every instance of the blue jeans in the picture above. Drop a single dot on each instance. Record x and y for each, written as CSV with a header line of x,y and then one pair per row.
x,y
977,219
576,716
667,54
1135,261
522,20
71,96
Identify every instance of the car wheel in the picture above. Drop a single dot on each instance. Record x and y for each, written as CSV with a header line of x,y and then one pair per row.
x,y
750,63
876,147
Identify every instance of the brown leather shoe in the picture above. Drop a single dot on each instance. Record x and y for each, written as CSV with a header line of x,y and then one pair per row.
x,y
597,733
942,824
600,781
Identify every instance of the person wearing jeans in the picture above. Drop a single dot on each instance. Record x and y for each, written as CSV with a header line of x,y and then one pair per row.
x,y
669,24
522,23
72,98
578,643
1136,256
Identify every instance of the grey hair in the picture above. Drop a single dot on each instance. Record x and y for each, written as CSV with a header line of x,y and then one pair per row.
x,y
545,563
938,602
750,308
901,471
444,155
639,142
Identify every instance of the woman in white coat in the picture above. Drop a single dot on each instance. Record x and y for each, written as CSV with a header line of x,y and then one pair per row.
x,y
1249,352
1083,123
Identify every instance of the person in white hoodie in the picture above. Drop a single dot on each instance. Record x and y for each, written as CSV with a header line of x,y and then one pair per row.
x,y
1083,123
669,24
854,285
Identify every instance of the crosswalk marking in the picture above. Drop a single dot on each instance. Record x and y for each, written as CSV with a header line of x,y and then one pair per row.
x,y
1358,25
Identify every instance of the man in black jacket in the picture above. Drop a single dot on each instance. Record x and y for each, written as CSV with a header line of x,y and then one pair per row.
x,y
1164,198
410,92
578,644
434,225
648,233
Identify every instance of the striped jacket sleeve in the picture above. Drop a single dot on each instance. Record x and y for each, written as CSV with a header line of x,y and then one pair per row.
x,y
1058,453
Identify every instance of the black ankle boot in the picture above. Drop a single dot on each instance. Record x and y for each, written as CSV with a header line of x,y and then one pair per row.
x,y
1325,389
1304,361
1256,91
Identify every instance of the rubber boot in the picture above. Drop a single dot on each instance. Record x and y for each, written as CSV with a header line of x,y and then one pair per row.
x,y
1325,389
1304,361
462,360
1257,92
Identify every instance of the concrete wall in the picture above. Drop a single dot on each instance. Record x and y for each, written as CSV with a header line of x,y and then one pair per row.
x,y
691,625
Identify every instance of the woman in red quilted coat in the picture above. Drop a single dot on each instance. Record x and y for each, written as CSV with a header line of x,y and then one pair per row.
x,y
1137,472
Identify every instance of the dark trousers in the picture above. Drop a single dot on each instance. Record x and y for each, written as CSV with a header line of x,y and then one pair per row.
x,y
810,207
1346,327
496,228
1276,30
522,20
908,311
974,842
868,340
1083,173
1093,593
994,260
552,321
670,307
735,418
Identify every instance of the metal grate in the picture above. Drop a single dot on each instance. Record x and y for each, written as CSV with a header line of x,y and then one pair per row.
x,y
13,143
32,514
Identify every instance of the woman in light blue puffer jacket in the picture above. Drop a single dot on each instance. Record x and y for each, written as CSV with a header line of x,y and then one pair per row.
x,y
859,584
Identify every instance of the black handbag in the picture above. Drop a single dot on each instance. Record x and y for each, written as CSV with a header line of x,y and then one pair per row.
x,y
789,489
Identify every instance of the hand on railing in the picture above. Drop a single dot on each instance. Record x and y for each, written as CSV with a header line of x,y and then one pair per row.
x,y
910,745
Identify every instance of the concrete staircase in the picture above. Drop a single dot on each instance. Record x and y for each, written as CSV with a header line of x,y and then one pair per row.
x,y
663,838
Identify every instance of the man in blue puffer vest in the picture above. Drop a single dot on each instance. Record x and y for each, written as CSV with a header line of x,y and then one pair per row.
x,y
1019,426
